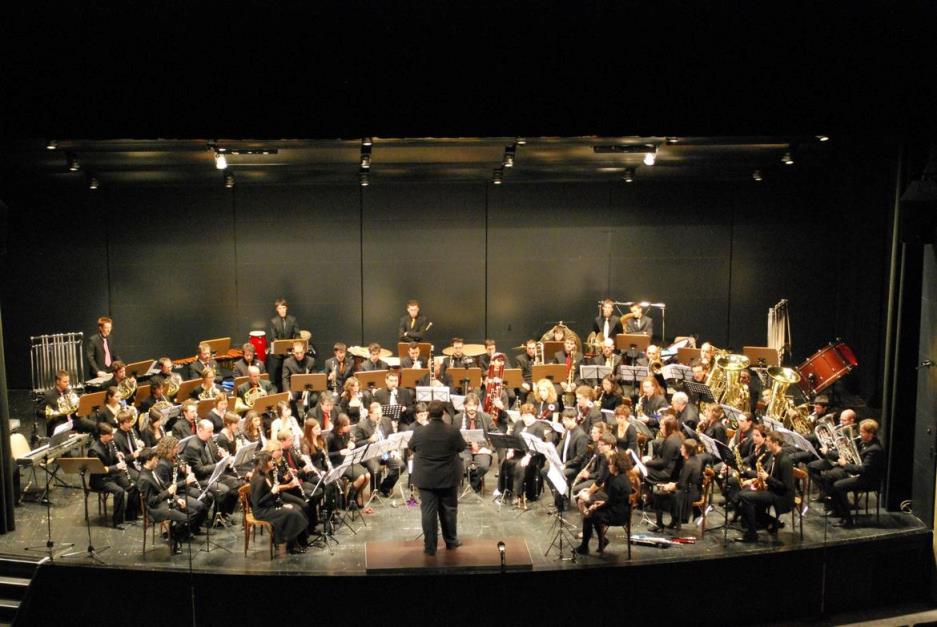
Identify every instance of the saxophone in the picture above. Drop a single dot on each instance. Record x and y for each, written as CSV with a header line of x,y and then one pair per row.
x,y
758,484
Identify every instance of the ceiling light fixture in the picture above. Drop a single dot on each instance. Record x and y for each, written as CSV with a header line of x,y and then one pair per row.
x,y
650,158
497,176
629,175
221,162
93,182
756,176
823,138
520,141
672,140
73,164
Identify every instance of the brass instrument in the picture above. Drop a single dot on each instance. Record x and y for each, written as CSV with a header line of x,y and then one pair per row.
x,y
845,438
716,378
825,432
781,407
171,385
539,357
569,398
126,388
66,405
335,387
252,394
594,343
655,367
207,394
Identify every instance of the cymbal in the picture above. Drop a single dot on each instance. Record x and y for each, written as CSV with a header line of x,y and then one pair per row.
x,y
519,348
362,351
473,350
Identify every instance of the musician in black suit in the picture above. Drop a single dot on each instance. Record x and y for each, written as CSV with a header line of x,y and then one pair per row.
x,y
50,405
525,361
778,478
249,359
458,358
587,413
663,466
185,424
413,326
573,450
340,363
679,494
861,477
374,361
128,443
685,412
157,387
608,357
640,323
572,359
484,360
615,506
520,473
204,362
391,394
477,457
608,324
299,363
375,428
162,502
201,454
324,411
115,480
437,471
280,327
413,359
101,353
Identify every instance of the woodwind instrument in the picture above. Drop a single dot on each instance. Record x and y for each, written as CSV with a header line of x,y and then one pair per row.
x,y
494,384
275,488
120,457
171,501
759,483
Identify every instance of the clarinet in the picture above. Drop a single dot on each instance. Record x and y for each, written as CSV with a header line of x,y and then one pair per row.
x,y
278,500
171,502
120,457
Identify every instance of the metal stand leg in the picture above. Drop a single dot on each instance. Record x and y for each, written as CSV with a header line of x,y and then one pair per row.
x,y
92,553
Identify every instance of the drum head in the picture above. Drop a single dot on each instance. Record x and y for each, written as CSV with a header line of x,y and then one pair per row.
x,y
306,335
258,334
473,350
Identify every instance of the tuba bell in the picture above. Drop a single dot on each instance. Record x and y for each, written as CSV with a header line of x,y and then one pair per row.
x,y
780,407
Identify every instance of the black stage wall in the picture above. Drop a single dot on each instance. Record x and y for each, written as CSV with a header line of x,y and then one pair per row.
x,y
173,265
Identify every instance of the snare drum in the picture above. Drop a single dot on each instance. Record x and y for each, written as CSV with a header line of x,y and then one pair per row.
x,y
259,341
825,367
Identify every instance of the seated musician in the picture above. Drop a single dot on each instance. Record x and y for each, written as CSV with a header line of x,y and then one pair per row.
x,y
299,363
413,326
163,503
706,354
324,411
204,361
354,400
572,359
679,495
157,395
639,323
218,411
613,509
525,362
458,359
253,430
757,453
291,464
413,358
650,402
242,365
652,355
101,353
339,443
485,359
119,369
625,433
830,457
699,376
60,397
202,454
543,398
573,450
845,477
773,487
340,365
376,428
153,430
522,471
185,426
110,409
164,370
391,394
285,421
288,520
116,479
127,442
256,386
314,450
608,357
169,459
663,466
588,484
610,394
711,426
280,327
207,389
227,436
374,361
685,412
477,457
608,324
587,414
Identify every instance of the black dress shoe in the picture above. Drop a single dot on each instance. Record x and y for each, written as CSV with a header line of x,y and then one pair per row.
x,y
118,526
603,542
175,548
429,551
845,524
296,549
748,537
582,549
454,545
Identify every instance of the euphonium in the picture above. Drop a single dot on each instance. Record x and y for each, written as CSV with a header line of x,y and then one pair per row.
x,y
126,388
845,439
825,432
594,343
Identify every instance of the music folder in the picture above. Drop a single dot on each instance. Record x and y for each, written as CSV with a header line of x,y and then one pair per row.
x,y
458,375
762,356
505,441
512,378
409,376
314,382
139,368
88,403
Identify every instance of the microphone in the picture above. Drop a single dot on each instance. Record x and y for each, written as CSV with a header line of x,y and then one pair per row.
x,y
501,551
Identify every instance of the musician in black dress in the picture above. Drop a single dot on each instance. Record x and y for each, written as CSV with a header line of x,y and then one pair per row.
x,y
116,480
169,458
339,443
663,466
625,433
545,400
153,430
614,509
640,323
413,326
608,324
100,352
519,472
162,502
680,494
610,394
650,402
354,401
288,520
587,486
861,477
157,395
280,327
777,478
249,359
756,452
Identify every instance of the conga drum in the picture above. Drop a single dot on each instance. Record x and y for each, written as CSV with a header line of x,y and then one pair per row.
x,y
825,367
259,340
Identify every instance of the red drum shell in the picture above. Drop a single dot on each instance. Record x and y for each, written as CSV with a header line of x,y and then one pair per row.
x,y
259,341
825,367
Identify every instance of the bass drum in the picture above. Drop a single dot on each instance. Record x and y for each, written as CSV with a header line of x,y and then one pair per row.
x,y
825,367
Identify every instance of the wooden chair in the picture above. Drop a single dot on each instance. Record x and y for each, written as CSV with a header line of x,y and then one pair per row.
x,y
702,504
151,525
250,523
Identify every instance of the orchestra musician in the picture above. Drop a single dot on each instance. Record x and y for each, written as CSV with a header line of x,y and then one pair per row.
x,y
101,353
50,404
391,394
157,395
116,480
153,430
254,381
163,370
168,455
110,409
204,362
477,457
680,494
639,323
588,484
207,388
573,450
625,433
608,323
227,437
280,327
339,442
522,470
706,352
242,365
342,364
185,425
374,361
525,361
685,412
662,467
613,509
201,454
828,462
610,394
573,360
162,502
458,359
314,451
128,443
299,363
288,520
218,411
376,428
757,452
413,326
778,479
285,421
543,398
253,430
413,359
353,399
650,402
608,357
491,349
587,414
846,478
291,465
324,411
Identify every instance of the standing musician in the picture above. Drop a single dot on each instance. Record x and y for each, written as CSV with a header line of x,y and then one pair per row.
x,y
185,426
280,327
376,428
374,361
625,433
242,365
608,324
679,494
299,363
207,388
573,450
340,365
128,443
100,352
201,454
390,394
777,478
339,443
62,396
610,394
162,503
477,458
573,360
288,520
353,399
525,362
662,467
587,414
522,471
413,326
846,478
650,402
613,509
253,382
117,478
543,398
639,323
203,362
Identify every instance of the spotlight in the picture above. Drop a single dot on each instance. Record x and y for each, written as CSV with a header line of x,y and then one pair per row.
x,y
73,164
363,178
365,157
52,144
629,175
823,138
509,153
367,141
229,179
497,176
788,159
93,182
221,162
756,176
650,158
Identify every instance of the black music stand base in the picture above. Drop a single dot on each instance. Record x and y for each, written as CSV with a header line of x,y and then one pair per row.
x,y
561,533
208,543
49,547
92,553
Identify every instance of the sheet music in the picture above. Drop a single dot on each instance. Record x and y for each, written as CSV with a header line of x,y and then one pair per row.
x,y
556,477
336,473
799,441
397,441
771,423
65,426
731,412
457,401
677,371
514,414
182,443
710,445
473,435
215,474
244,454
641,428
427,393
638,463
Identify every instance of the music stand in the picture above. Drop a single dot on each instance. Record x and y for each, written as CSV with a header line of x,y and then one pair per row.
x,y
219,346
142,392
313,382
425,347
429,393
409,376
512,378
554,372
239,381
551,348
624,342
139,368
686,356
285,347
705,394
185,389
371,378
632,375
762,356
84,466
88,403
594,373
472,376
269,402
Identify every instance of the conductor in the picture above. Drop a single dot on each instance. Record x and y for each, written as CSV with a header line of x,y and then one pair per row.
x,y
437,471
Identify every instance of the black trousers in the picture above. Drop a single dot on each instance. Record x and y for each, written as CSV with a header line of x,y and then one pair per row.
x,y
482,463
442,503
126,497
755,504
840,489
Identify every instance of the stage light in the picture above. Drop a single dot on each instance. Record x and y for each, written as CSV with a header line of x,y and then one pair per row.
x,y
367,141
629,175
52,144
788,158
365,157
672,140
823,138
93,182
509,154
756,176
73,163
497,176
229,180
650,158
221,162
363,179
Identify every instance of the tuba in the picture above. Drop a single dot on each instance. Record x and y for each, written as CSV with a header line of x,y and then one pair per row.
x,y
780,407
126,388
66,405
716,379
734,393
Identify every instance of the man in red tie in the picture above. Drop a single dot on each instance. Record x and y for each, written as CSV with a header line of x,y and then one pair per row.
x,y
101,354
